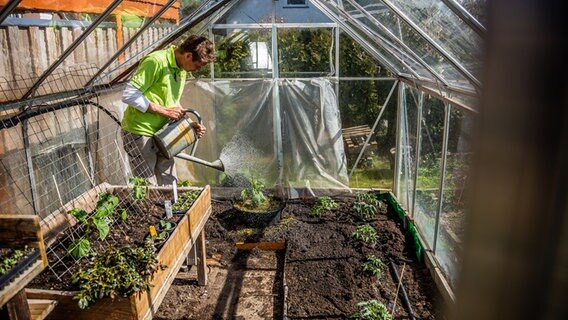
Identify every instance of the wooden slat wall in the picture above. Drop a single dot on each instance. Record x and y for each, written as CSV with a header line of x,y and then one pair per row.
x,y
28,51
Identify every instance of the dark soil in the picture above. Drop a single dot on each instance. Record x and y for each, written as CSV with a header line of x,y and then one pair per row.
x,y
322,265
131,232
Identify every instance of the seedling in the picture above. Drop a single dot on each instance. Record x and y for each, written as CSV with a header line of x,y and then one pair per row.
x,y
253,196
365,233
364,211
8,262
139,187
185,201
373,266
323,204
367,198
372,310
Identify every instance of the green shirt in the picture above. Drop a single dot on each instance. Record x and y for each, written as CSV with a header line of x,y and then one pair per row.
x,y
161,81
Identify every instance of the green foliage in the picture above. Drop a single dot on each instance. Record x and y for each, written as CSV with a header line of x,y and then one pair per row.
x,y
185,201
365,205
79,248
305,50
139,187
366,233
184,183
232,53
116,272
253,196
104,212
11,260
372,310
323,204
373,266
364,211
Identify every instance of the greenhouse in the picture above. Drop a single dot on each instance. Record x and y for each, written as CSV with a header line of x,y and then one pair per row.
x,y
334,159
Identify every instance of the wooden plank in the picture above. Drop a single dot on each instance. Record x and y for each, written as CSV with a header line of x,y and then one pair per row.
x,y
79,52
40,308
20,282
201,259
16,308
277,245
18,230
144,9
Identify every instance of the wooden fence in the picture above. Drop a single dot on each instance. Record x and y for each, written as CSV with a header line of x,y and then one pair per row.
x,y
27,51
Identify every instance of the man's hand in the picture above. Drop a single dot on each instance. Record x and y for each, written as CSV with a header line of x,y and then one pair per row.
x,y
171,113
199,129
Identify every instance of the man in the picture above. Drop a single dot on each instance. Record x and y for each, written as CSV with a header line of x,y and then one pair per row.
x,y
153,95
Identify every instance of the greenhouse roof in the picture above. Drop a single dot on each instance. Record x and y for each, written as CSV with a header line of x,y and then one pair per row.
x,y
434,45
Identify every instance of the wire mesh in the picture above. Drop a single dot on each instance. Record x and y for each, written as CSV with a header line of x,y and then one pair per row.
x,y
62,151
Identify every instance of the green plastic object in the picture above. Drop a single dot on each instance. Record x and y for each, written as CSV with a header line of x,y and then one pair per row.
x,y
410,227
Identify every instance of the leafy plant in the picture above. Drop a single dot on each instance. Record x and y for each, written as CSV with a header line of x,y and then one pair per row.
x,y
185,200
372,310
104,212
367,198
365,233
364,211
373,266
323,204
116,272
139,187
11,260
253,196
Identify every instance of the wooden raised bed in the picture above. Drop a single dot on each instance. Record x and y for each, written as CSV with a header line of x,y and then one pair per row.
x,y
188,234
17,232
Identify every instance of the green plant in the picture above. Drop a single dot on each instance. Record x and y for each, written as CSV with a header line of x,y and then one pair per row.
x,y
372,310
139,187
364,211
373,266
366,233
253,196
104,212
323,204
184,183
367,198
11,260
185,200
116,272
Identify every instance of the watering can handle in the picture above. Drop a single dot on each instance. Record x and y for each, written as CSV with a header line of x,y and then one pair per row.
x,y
200,121
196,114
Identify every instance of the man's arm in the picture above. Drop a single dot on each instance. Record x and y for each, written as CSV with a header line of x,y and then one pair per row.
x,y
134,97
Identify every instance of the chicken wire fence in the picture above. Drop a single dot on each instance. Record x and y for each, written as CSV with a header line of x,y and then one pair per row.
x,y
60,152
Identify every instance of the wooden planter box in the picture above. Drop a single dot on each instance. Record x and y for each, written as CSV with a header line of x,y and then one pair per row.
x,y
189,233
16,232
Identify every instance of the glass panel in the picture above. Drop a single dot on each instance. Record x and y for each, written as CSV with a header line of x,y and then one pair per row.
x,y
415,42
360,103
101,44
408,137
243,53
383,39
354,61
456,183
298,11
306,52
477,8
429,167
446,29
248,12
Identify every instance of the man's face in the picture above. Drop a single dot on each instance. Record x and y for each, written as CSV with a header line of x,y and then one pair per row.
x,y
190,65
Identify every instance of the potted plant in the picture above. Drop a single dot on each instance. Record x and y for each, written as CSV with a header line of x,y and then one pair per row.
x,y
257,208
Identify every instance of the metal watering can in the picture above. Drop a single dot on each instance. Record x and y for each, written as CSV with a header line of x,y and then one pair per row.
x,y
177,135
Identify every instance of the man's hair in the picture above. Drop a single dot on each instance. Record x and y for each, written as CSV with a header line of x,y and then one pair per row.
x,y
200,48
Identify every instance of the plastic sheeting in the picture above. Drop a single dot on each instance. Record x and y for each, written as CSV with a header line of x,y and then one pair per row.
x,y
286,133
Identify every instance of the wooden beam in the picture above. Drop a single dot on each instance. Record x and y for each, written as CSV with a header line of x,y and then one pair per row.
x,y
277,245
134,7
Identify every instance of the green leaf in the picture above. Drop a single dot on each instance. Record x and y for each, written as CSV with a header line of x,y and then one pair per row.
x,y
102,227
123,214
79,214
79,248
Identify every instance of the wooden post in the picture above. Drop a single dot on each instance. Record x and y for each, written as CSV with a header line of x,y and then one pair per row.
x,y
119,36
201,260
17,308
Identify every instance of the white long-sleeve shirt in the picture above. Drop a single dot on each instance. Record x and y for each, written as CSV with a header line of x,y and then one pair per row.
x,y
134,97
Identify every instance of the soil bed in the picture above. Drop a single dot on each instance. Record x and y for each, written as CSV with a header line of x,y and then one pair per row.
x,y
322,264
130,232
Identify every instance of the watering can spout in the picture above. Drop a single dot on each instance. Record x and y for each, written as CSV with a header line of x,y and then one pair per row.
x,y
217,164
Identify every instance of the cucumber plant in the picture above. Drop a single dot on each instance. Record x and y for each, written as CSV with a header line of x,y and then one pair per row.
x,y
139,187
